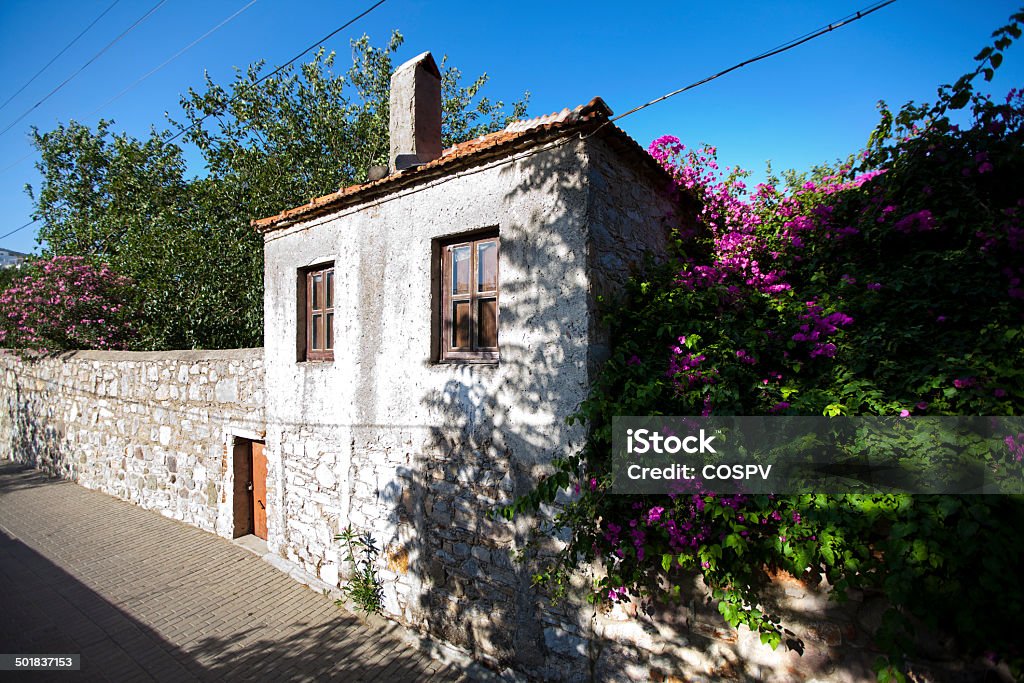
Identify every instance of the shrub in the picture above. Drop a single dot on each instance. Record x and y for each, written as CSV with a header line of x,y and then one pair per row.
x,y
888,288
66,303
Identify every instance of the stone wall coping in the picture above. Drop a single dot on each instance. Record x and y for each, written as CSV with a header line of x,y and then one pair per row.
x,y
185,355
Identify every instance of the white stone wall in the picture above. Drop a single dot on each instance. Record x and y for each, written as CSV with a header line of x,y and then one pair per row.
x,y
418,452
152,428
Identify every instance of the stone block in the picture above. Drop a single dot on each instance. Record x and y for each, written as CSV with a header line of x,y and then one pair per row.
x,y
559,641
226,391
325,476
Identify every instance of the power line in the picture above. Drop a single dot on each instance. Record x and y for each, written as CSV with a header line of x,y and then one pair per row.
x,y
289,62
19,229
83,67
172,58
11,165
140,80
75,40
764,55
184,130
517,158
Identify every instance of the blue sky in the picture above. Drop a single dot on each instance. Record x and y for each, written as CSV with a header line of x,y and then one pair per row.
x,y
815,103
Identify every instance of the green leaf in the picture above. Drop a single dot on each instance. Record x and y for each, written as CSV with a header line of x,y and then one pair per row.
x,y
960,99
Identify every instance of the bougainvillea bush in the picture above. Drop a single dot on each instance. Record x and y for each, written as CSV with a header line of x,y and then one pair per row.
x,y
888,285
66,303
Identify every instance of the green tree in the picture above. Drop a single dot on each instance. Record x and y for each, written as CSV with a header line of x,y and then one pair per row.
x,y
268,142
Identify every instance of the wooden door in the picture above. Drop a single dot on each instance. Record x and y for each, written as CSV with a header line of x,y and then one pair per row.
x,y
259,490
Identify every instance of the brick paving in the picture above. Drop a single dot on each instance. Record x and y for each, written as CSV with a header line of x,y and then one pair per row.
x,y
143,597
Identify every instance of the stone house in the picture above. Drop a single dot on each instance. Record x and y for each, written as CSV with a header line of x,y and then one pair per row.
x,y
427,333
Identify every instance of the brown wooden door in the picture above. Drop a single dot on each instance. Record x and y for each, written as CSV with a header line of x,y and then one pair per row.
x,y
259,490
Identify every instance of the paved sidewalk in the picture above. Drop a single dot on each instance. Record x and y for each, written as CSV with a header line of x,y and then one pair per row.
x,y
143,597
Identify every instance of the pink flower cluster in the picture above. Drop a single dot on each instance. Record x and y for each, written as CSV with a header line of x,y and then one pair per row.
x,y
919,221
684,368
731,221
817,325
1016,446
65,303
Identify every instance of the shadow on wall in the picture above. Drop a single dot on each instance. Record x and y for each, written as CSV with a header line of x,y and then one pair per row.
x,y
495,431
484,451
33,437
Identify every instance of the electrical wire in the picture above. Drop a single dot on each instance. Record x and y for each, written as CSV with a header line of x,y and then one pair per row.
x,y
172,58
140,80
184,130
73,41
19,229
807,37
289,62
764,55
84,66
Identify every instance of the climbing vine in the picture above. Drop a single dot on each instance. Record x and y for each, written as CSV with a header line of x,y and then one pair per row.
x,y
890,284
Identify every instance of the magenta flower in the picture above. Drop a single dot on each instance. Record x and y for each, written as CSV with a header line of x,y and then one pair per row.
x,y
654,514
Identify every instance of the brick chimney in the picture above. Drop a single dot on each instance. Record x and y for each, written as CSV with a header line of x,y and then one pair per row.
x,y
415,125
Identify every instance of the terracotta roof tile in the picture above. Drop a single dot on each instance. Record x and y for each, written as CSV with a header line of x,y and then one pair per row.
x,y
516,135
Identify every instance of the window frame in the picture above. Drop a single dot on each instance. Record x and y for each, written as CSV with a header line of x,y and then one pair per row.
x,y
309,314
474,353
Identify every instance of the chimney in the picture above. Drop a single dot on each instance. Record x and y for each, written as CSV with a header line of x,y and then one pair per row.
x,y
415,126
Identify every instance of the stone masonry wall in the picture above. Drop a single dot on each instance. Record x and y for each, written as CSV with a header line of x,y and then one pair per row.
x,y
152,428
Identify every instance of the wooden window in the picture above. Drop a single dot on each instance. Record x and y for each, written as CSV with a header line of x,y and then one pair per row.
x,y
469,299
319,319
